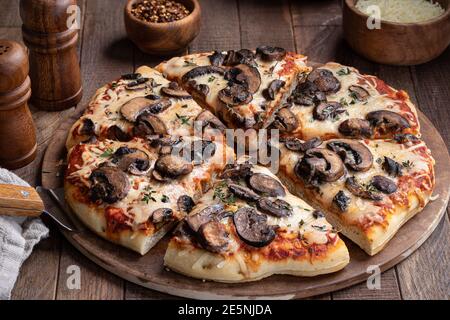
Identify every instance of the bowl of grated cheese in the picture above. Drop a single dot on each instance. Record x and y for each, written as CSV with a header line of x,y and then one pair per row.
x,y
397,32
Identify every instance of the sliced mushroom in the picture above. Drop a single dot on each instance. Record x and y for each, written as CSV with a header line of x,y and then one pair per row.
x,y
109,184
198,90
405,138
320,165
185,204
359,93
165,144
171,167
356,128
244,75
285,120
208,119
175,91
355,155
392,167
324,80
202,150
235,95
273,89
236,171
116,133
317,214
87,127
217,59
137,106
387,121
342,201
242,56
247,121
213,236
308,94
131,76
384,184
252,227
204,216
133,161
139,84
275,207
243,192
266,185
358,190
162,215
268,53
328,110
201,71
296,144
148,124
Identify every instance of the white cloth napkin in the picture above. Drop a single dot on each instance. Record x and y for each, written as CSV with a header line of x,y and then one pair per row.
x,y
18,236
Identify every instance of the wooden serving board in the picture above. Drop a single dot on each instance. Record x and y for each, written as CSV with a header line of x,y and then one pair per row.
x,y
148,270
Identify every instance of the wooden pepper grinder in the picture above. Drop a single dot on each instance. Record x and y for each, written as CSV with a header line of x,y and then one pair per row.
x,y
54,67
17,131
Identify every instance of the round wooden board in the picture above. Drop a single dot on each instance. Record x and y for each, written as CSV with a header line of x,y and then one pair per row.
x,y
148,270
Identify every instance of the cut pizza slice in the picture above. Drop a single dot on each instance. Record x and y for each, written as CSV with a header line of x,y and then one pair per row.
x,y
139,105
248,227
132,193
243,88
367,188
337,101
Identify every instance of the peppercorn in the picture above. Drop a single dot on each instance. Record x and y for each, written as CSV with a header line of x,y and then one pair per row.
x,y
159,11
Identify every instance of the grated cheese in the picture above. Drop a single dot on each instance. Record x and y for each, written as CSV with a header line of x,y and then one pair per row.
x,y
403,11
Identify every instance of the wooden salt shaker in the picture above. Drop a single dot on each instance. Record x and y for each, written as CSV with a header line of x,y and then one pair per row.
x,y
54,67
17,132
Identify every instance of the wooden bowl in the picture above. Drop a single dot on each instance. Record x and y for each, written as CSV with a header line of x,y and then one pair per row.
x,y
397,43
163,38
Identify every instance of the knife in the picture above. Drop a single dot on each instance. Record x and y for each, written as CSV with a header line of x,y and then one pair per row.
x,y
19,201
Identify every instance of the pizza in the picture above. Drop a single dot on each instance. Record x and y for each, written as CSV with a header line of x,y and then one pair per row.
x,y
248,227
337,101
367,188
243,88
133,193
141,104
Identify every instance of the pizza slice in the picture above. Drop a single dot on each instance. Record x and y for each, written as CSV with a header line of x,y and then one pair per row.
x,y
142,104
248,227
367,188
243,88
132,193
337,101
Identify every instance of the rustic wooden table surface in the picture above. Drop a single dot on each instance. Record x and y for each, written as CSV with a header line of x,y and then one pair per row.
x,y
312,27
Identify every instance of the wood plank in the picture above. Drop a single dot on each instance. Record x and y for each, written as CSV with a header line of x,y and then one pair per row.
x,y
265,22
316,13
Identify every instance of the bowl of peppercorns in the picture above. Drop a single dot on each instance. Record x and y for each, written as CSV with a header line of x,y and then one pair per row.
x,y
162,26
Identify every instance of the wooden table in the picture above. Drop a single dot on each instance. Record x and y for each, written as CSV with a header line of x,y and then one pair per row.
x,y
311,27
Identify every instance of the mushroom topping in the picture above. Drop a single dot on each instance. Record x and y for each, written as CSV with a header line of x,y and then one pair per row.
x,y
296,144
247,121
320,165
356,128
317,214
384,184
133,161
235,95
268,53
273,89
138,84
185,204
162,215
243,192
171,167
324,80
207,214
137,106
202,150
213,236
131,76
175,91
328,110
109,184
285,120
217,58
149,124
387,121
275,207
164,143
243,56
236,171
199,90
405,138
252,227
115,133
244,75
266,185
355,155
392,167
88,127
358,190
342,201
208,119
359,93
201,71
307,94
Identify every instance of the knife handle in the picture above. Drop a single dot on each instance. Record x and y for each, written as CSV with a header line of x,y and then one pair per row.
x,y
20,201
